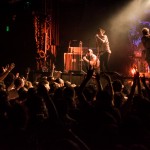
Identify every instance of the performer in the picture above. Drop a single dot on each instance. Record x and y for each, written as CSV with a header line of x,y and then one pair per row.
x,y
92,60
103,49
146,44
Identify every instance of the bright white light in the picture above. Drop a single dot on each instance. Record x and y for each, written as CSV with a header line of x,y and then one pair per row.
x,y
121,23
133,71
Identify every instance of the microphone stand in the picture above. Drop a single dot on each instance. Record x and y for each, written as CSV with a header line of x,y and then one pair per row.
x,y
81,69
73,60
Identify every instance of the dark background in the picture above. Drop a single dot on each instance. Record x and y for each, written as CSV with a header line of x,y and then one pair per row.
x,y
78,20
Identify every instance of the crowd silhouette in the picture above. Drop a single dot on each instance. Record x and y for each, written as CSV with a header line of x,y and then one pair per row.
x,y
53,114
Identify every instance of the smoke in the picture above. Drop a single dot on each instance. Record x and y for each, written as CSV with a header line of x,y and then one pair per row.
x,y
121,22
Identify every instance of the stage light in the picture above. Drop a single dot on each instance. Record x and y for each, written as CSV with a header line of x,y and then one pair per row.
x,y
133,71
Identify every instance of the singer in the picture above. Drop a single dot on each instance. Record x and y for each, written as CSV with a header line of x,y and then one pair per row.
x,y
103,49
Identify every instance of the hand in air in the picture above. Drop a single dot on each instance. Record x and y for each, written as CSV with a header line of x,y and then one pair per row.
x,y
11,66
8,67
5,68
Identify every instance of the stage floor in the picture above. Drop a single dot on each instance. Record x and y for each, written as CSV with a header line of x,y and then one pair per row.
x,y
77,78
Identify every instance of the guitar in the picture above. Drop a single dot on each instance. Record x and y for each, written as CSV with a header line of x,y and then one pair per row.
x,y
95,63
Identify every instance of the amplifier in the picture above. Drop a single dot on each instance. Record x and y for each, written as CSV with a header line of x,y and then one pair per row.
x,y
76,50
72,62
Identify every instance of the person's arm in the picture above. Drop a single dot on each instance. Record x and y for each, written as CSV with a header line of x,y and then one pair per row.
x,y
100,39
6,71
139,84
52,110
86,79
98,82
128,104
81,97
111,90
143,80
85,59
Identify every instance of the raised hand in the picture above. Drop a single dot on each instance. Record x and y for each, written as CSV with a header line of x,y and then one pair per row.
x,y
5,68
8,67
11,66
6,71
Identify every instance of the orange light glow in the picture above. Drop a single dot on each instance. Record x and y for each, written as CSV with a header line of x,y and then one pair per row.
x,y
133,71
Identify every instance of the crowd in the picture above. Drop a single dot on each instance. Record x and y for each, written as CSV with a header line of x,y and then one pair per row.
x,y
53,114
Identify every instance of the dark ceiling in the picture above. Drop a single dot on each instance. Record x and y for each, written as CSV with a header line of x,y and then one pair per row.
x,y
77,18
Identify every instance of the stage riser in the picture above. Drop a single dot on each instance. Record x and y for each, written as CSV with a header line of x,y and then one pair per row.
x,y
74,79
77,78
36,75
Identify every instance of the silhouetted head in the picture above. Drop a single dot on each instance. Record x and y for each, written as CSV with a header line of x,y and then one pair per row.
x,y
145,31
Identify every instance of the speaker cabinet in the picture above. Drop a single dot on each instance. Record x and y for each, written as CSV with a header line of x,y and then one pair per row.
x,y
72,62
76,50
